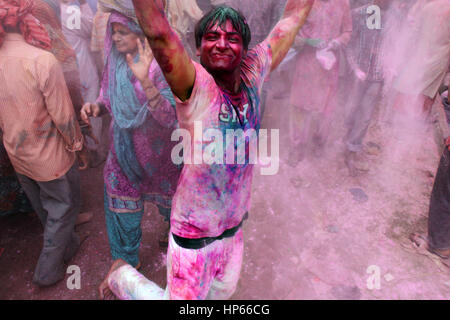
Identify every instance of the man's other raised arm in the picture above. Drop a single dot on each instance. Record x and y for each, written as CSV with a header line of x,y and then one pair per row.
x,y
167,48
283,34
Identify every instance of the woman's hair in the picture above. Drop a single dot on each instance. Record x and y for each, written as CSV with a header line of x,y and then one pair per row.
x,y
221,15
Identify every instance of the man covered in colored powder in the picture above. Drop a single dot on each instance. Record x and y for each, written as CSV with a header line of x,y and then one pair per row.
x,y
212,200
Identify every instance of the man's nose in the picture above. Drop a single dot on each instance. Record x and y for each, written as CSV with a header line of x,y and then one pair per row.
x,y
222,43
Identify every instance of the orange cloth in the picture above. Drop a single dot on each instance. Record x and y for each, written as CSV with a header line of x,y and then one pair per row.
x,y
17,13
40,130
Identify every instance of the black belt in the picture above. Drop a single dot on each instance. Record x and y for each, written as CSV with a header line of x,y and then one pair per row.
x,y
203,242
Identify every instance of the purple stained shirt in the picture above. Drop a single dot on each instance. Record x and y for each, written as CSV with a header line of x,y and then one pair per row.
x,y
212,198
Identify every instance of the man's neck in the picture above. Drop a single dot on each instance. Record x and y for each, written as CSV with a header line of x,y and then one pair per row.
x,y
227,81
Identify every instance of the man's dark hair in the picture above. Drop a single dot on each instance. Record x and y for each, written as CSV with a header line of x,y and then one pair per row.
x,y
221,15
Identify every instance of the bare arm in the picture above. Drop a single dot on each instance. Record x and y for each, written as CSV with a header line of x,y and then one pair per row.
x,y
282,36
167,47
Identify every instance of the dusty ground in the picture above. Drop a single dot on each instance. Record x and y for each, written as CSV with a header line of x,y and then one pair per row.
x,y
314,232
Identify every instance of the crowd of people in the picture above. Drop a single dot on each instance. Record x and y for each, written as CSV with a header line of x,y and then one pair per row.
x,y
88,83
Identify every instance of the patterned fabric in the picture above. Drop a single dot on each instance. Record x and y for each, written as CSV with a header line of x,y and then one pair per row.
x,y
17,13
213,197
139,166
124,228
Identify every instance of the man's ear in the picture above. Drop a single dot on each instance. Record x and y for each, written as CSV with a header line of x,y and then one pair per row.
x,y
197,52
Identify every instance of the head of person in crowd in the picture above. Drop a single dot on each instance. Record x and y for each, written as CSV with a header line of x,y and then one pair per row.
x,y
383,4
222,38
16,17
121,35
124,38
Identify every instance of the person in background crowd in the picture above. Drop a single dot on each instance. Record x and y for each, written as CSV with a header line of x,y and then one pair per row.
x,y
423,69
77,28
437,241
139,166
40,133
365,58
315,81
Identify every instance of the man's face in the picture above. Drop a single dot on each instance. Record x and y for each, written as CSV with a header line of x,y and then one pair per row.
x,y
221,50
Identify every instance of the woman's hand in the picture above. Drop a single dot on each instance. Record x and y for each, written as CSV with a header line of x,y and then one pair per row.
x,y
141,67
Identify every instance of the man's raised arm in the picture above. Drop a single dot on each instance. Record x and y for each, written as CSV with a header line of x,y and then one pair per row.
x,y
283,34
167,48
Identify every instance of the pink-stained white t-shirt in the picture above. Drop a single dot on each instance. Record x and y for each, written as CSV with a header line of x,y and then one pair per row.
x,y
213,196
